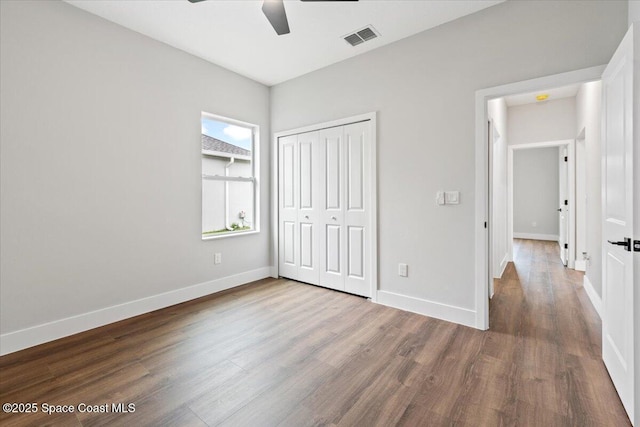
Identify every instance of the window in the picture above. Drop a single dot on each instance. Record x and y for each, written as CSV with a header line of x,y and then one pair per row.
x,y
229,177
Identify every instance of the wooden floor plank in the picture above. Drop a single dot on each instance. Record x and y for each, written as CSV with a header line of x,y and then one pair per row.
x,y
281,353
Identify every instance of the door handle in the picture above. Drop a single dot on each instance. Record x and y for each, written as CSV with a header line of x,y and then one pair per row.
x,y
559,209
626,243
333,218
306,217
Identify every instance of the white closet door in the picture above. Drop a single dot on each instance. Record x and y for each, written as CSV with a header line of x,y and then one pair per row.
x,y
357,247
332,232
310,174
324,188
288,195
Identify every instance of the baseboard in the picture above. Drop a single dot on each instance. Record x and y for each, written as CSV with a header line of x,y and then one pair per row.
x,y
29,337
536,236
446,312
593,295
580,265
503,266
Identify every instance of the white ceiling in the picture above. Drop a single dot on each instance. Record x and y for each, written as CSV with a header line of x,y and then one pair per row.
x,y
554,93
237,36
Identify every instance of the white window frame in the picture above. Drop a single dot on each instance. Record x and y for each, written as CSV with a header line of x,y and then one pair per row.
x,y
255,170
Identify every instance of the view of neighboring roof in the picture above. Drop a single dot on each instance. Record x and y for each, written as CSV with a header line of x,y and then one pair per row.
x,y
214,144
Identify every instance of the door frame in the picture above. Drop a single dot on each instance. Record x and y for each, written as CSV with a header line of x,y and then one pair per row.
x,y
570,144
482,215
373,177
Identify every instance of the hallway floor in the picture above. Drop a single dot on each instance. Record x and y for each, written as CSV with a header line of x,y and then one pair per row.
x,y
552,334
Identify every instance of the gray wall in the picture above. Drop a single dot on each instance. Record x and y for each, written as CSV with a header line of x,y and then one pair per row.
x,y
100,142
100,166
536,191
634,11
423,88
551,120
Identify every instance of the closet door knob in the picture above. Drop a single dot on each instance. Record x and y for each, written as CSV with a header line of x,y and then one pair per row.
x,y
306,217
333,218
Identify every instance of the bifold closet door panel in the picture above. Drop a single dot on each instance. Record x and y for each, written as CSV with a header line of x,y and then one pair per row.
x,y
310,178
288,202
357,188
332,233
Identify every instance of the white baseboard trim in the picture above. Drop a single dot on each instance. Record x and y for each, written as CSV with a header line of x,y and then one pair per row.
x,y
446,312
580,265
593,296
29,337
536,236
503,265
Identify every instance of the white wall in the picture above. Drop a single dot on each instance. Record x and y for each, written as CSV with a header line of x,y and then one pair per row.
x,y
634,11
497,110
535,191
588,107
423,88
100,167
551,120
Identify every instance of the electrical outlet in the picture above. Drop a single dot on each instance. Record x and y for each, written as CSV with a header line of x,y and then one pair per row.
x,y
403,270
217,258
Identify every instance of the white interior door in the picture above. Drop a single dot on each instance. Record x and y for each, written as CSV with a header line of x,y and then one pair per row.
x,y
309,212
357,204
332,233
617,188
563,210
324,206
288,194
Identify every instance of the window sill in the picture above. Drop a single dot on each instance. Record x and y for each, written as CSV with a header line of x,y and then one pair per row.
x,y
230,234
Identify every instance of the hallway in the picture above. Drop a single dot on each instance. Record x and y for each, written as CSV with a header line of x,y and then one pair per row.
x,y
552,334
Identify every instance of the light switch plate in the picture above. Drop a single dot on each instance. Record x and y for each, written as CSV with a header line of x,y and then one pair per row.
x,y
452,197
403,270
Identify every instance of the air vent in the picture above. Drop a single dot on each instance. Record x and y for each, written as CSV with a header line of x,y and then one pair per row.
x,y
353,39
361,36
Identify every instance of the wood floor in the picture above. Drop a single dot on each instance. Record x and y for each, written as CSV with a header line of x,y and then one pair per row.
x,y
277,352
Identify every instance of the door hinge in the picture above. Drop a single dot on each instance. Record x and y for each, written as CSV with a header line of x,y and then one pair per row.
x,y
566,203
485,224
636,246
566,158
566,246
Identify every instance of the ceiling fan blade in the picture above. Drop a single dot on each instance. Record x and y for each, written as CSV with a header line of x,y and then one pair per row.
x,y
275,13
312,0
195,1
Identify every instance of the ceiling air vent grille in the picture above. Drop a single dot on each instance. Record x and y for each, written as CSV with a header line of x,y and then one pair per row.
x,y
361,36
353,39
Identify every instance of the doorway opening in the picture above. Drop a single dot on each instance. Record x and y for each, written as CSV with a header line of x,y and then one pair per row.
x,y
501,126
